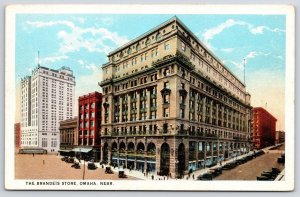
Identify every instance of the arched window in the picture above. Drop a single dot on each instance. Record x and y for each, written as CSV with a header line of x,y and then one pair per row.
x,y
129,51
158,37
147,42
138,46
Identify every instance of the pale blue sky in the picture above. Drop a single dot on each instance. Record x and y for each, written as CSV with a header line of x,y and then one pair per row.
x,y
83,41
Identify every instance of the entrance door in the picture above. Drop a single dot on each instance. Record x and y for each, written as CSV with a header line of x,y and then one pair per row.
x,y
105,152
165,160
181,160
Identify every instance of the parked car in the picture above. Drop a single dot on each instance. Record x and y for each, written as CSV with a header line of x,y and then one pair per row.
x,y
205,177
64,158
91,166
70,160
76,165
108,170
122,174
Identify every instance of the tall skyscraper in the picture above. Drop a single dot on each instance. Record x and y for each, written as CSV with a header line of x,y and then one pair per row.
x,y
47,97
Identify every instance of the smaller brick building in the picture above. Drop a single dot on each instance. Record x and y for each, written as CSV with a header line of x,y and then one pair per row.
x,y
280,137
17,135
264,128
68,131
89,124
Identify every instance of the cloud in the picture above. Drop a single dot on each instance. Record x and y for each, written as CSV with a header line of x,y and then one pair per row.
x,y
51,59
92,39
92,67
88,83
41,24
227,50
210,33
81,62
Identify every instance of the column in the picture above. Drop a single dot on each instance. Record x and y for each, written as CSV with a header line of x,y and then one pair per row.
x,y
205,147
197,153
148,95
138,97
203,108
195,106
218,151
222,116
217,114
129,108
121,109
227,112
210,112
102,152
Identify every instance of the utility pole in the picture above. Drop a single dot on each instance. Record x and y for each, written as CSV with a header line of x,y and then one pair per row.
x,y
38,60
245,72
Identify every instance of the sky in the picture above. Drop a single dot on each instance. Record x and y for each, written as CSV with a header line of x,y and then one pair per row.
x,y
82,42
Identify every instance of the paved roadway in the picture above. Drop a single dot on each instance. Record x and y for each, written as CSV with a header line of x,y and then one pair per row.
x,y
254,168
51,167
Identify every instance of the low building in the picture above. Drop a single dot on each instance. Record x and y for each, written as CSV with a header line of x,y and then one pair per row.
x,y
264,127
89,125
17,136
68,136
280,137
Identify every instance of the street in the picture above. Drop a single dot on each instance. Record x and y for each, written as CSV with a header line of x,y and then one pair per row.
x,y
28,166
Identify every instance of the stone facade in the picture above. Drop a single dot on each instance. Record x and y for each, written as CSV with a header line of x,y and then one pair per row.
x,y
170,106
68,134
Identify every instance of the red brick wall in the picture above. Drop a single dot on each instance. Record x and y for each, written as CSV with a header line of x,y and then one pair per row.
x,y
264,128
84,132
17,135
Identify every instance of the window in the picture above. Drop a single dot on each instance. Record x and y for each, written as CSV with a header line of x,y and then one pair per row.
x,y
147,42
183,46
166,85
167,46
158,37
129,51
166,112
138,46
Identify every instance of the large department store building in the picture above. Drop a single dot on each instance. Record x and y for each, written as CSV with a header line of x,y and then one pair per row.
x,y
170,105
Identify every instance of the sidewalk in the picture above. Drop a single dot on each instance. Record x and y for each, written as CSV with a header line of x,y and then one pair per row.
x,y
141,175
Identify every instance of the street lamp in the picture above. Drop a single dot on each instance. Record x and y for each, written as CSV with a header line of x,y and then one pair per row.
x,y
176,167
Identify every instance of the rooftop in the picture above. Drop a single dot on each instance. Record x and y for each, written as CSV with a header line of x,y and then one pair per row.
x,y
175,18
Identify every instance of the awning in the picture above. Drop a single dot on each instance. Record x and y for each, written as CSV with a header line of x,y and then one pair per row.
x,y
82,150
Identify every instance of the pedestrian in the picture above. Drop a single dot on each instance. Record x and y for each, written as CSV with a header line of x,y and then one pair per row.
x,y
193,176
32,154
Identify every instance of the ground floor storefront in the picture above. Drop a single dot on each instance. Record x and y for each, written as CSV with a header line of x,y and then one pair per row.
x,y
168,155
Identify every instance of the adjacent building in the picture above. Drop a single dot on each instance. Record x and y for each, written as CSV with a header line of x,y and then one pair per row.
x,y
89,124
47,97
280,137
68,135
17,135
264,127
170,105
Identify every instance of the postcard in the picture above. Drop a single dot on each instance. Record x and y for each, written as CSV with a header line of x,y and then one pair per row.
x,y
172,97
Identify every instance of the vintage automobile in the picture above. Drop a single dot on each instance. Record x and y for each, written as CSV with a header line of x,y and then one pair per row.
x,y
122,174
216,171
70,160
108,170
205,177
64,158
76,165
91,166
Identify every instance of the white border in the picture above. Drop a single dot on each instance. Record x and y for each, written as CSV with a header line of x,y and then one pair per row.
x,y
12,10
